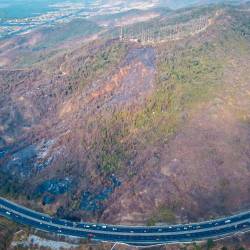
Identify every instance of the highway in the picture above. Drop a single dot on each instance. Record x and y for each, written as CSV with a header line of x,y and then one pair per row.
x,y
131,235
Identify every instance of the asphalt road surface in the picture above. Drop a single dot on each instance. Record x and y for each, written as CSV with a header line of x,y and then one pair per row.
x,y
132,235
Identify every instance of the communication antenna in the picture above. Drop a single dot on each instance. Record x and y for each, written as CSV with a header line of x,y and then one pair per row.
x,y
121,33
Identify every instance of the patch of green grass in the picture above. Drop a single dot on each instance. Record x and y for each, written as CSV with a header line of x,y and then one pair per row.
x,y
162,215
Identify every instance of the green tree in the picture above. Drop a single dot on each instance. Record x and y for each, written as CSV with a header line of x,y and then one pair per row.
x,y
196,247
151,222
210,244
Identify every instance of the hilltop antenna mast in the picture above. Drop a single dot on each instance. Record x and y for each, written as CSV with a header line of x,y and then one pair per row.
x,y
121,33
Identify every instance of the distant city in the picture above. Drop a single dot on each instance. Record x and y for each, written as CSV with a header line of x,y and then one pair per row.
x,y
47,13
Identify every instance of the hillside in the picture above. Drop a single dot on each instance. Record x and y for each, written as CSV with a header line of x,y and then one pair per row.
x,y
137,130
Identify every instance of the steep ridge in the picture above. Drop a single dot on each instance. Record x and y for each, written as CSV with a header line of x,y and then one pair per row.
x,y
121,132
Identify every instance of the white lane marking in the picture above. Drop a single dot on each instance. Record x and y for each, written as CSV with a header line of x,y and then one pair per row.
x,y
135,234
113,246
128,233
140,227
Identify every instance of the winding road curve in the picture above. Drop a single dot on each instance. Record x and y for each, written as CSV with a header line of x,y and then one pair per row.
x,y
131,235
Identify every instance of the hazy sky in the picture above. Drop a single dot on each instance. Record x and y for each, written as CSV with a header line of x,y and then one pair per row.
x,y
25,8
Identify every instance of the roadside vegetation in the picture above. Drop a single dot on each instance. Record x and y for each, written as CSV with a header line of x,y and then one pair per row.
x,y
7,230
162,215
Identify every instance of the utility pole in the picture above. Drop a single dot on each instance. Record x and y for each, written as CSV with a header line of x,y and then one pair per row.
x,y
121,34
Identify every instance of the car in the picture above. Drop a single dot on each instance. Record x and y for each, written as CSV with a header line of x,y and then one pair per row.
x,y
90,236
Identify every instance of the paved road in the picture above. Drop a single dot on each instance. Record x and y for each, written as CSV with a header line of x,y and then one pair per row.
x,y
133,235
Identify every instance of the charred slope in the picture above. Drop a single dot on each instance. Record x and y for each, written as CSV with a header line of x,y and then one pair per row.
x,y
128,133
50,128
